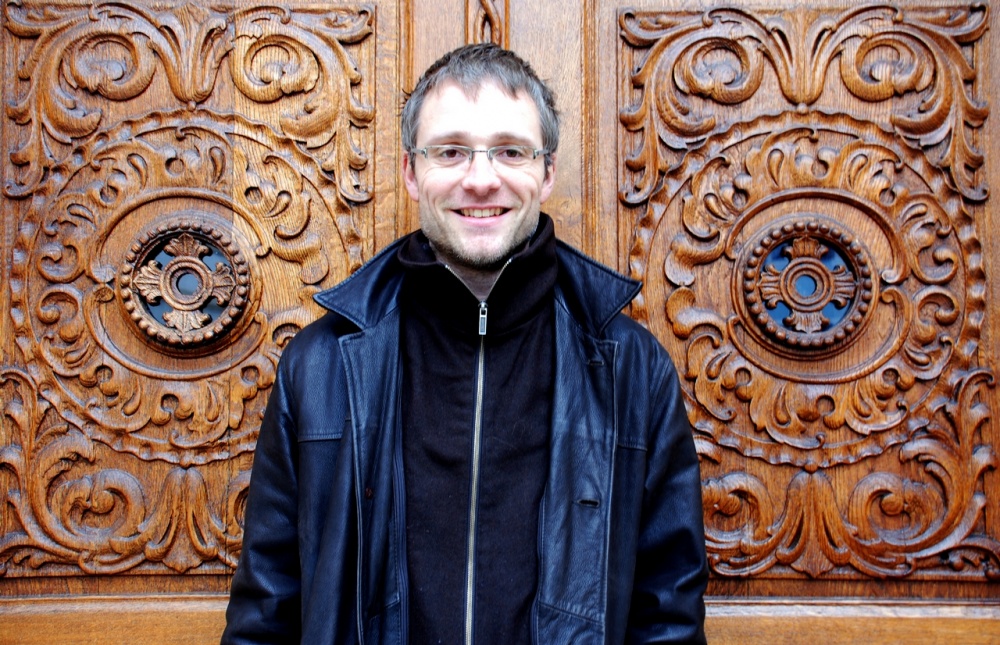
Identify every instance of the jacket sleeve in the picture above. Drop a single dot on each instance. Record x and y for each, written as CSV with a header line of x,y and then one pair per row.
x,y
671,570
264,603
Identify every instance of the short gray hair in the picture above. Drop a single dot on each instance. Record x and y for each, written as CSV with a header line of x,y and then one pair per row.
x,y
470,67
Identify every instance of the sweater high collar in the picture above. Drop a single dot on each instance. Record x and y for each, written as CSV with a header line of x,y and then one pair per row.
x,y
523,287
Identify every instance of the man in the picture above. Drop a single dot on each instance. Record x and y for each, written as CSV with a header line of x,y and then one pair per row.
x,y
474,445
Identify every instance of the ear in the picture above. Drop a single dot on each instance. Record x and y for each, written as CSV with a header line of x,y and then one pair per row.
x,y
550,179
410,177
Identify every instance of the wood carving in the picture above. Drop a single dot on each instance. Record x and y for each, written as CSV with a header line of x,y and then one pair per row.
x,y
696,68
819,280
75,516
163,257
87,55
87,282
486,22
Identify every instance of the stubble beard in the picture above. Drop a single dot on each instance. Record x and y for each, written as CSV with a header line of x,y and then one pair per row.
x,y
450,254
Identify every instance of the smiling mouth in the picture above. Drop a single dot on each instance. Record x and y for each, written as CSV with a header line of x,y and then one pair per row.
x,y
480,213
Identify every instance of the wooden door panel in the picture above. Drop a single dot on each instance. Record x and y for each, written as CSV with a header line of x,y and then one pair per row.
x,y
180,181
805,201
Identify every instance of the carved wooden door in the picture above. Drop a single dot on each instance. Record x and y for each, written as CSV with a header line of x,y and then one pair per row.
x,y
179,179
803,187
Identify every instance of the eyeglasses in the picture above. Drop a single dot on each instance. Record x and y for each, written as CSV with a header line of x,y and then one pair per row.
x,y
458,156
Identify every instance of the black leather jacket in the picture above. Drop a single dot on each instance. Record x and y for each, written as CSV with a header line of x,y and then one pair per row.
x,y
621,542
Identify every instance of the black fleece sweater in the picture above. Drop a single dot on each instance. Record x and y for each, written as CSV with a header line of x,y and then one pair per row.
x,y
445,398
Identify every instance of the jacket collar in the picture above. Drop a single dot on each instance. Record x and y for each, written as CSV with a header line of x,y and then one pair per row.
x,y
591,292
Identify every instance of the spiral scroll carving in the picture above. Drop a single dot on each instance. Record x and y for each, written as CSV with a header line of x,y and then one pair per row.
x,y
69,514
89,54
697,68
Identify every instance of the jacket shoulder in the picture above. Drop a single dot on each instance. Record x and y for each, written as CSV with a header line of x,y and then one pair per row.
x,y
371,292
638,343
320,337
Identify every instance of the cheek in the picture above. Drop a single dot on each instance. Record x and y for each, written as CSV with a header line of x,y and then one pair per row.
x,y
431,188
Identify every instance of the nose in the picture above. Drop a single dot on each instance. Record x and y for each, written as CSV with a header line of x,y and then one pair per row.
x,y
480,176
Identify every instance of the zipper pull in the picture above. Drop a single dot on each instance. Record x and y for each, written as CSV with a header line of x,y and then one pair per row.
x,y
482,318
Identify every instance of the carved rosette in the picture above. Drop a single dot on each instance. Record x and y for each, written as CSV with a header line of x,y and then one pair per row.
x,y
821,291
806,285
187,286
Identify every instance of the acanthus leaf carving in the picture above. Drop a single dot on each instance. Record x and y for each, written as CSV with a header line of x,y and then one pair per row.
x,y
72,514
117,52
689,64
893,525
319,69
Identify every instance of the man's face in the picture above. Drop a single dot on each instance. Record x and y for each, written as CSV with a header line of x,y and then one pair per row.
x,y
476,215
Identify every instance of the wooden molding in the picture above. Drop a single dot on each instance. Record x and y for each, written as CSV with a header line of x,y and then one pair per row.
x,y
194,619
183,619
753,621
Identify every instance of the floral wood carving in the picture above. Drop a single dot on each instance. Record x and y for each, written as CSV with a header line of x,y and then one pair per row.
x,y
87,57
185,177
893,525
695,69
486,22
841,353
132,217
71,515
844,338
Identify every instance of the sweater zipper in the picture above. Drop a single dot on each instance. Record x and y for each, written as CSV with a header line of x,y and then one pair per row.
x,y
477,436
470,564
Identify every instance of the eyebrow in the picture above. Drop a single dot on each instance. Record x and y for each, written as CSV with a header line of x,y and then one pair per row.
x,y
496,136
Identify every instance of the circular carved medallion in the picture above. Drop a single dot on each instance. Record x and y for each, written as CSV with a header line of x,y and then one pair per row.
x,y
184,284
806,286
137,291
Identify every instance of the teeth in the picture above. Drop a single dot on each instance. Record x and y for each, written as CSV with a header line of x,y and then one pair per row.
x,y
481,212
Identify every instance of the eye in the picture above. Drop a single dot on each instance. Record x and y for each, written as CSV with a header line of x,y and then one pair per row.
x,y
448,153
512,153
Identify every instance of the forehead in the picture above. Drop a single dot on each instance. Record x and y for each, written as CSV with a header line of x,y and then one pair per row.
x,y
451,114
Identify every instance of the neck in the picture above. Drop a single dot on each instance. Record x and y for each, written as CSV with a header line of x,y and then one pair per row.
x,y
479,281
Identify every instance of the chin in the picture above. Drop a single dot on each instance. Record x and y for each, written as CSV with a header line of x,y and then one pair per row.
x,y
482,262
483,259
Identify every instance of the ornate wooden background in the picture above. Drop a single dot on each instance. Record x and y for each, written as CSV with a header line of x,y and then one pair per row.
x,y
802,187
